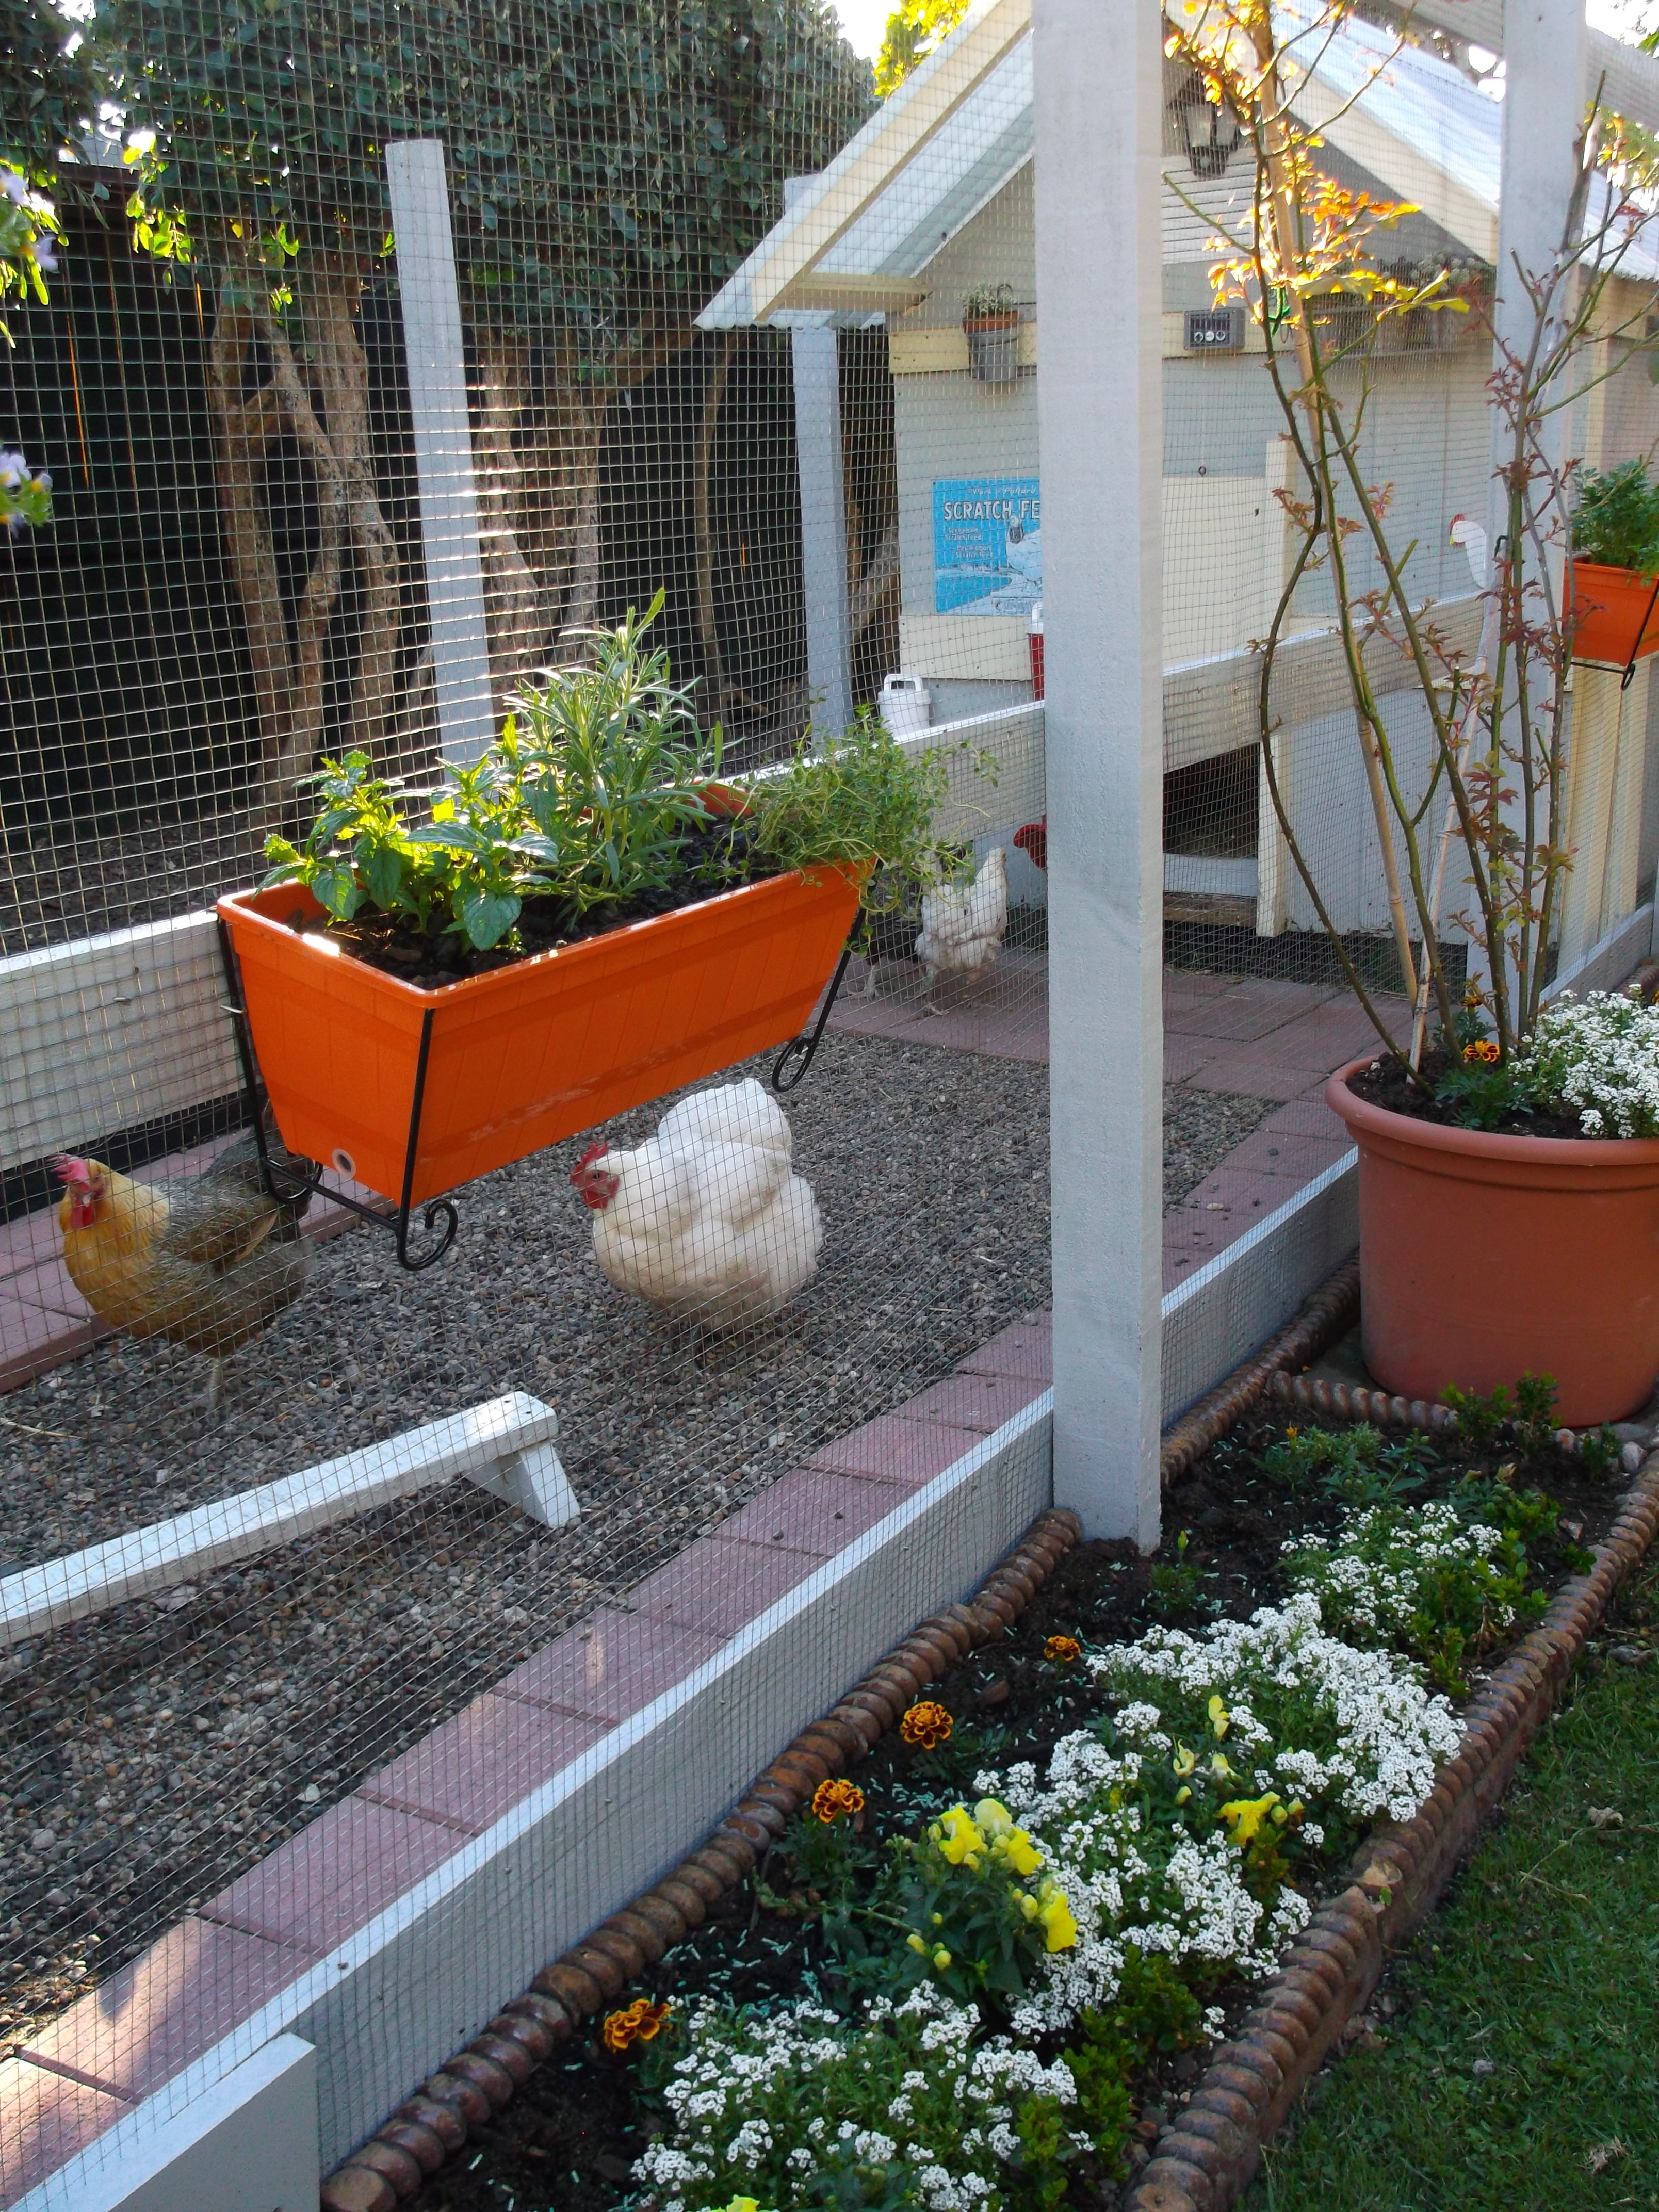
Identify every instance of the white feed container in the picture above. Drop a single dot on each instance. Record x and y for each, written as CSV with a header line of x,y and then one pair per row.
x,y
907,706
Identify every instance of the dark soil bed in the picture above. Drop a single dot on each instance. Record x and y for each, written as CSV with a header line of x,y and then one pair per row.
x,y
1386,1084
571,2135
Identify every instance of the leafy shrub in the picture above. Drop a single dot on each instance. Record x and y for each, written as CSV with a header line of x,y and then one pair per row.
x,y
1617,519
1527,1414
1174,1589
1355,1465
1427,1581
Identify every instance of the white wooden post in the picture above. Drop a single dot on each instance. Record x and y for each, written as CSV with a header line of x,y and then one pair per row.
x,y
1545,54
1097,67
816,359
443,445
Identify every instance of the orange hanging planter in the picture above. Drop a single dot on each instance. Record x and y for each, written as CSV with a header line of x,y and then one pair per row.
x,y
413,1092
1614,614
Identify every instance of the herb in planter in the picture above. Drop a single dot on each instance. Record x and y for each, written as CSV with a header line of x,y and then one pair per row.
x,y
1616,522
987,302
600,804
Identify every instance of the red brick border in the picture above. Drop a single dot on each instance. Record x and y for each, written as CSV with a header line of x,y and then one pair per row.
x,y
1205,2161
425,2129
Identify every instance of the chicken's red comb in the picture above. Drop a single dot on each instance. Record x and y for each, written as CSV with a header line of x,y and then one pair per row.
x,y
593,1153
71,1169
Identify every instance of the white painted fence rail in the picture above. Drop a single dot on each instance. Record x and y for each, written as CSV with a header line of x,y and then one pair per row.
x,y
505,1446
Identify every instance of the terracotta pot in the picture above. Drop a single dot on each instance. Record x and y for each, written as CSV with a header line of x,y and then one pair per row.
x,y
1615,613
531,1053
1483,1258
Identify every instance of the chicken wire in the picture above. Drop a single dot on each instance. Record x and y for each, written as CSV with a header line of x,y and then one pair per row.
x,y
810,420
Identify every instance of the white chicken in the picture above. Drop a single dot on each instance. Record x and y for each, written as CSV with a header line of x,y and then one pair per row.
x,y
707,1219
963,924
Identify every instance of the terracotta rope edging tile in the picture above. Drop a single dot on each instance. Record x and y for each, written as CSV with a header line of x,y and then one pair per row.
x,y
1207,2158
418,2138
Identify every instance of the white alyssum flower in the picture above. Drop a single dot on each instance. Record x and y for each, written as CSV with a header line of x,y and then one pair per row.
x,y
764,2105
1381,1567
1598,1056
1354,1730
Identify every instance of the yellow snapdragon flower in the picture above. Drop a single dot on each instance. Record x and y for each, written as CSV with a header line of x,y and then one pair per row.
x,y
1245,1815
959,1838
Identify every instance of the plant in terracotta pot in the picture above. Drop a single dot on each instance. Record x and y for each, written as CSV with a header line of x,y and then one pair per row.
x,y
1509,1175
990,317
1615,567
582,920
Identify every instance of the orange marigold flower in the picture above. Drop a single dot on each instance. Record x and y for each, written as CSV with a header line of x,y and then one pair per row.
x,y
635,2023
1483,1048
1063,1650
927,1724
831,1799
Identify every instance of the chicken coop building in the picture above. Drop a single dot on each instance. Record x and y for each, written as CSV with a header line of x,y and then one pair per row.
x,y
927,217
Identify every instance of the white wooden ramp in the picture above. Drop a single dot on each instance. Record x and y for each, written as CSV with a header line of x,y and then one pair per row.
x,y
505,1446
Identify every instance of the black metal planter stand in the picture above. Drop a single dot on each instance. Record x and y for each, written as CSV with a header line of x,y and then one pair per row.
x,y
797,1056
439,1218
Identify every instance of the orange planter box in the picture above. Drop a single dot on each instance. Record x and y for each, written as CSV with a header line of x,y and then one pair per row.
x,y
531,1053
1615,614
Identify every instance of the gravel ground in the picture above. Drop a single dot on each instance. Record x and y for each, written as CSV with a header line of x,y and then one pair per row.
x,y
152,1754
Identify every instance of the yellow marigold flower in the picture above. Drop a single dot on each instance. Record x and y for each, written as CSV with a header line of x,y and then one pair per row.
x,y
832,1800
1220,1719
927,1724
1244,1817
959,1838
993,1819
1483,1048
635,2023
1292,1433
1062,1649
1059,1929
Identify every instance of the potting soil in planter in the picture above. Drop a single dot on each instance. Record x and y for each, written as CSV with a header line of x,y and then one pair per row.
x,y
1386,1084
574,2132
715,858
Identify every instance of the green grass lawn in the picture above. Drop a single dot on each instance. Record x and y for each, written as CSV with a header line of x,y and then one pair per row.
x,y
1517,2068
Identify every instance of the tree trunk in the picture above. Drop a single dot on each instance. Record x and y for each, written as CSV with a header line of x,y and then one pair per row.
x,y
719,696
516,608
257,402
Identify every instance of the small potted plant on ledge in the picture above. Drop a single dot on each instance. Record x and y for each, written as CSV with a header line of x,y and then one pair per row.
x,y
991,320
584,920
1614,598
1508,1142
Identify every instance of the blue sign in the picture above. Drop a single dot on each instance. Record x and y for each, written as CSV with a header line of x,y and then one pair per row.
x,y
987,545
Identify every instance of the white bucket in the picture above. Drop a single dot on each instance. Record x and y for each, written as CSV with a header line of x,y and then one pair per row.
x,y
907,705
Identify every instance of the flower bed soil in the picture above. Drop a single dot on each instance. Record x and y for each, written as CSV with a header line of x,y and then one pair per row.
x,y
1385,1084
572,2133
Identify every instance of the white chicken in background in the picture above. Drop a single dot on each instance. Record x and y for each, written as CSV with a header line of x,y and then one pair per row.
x,y
707,1219
963,924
